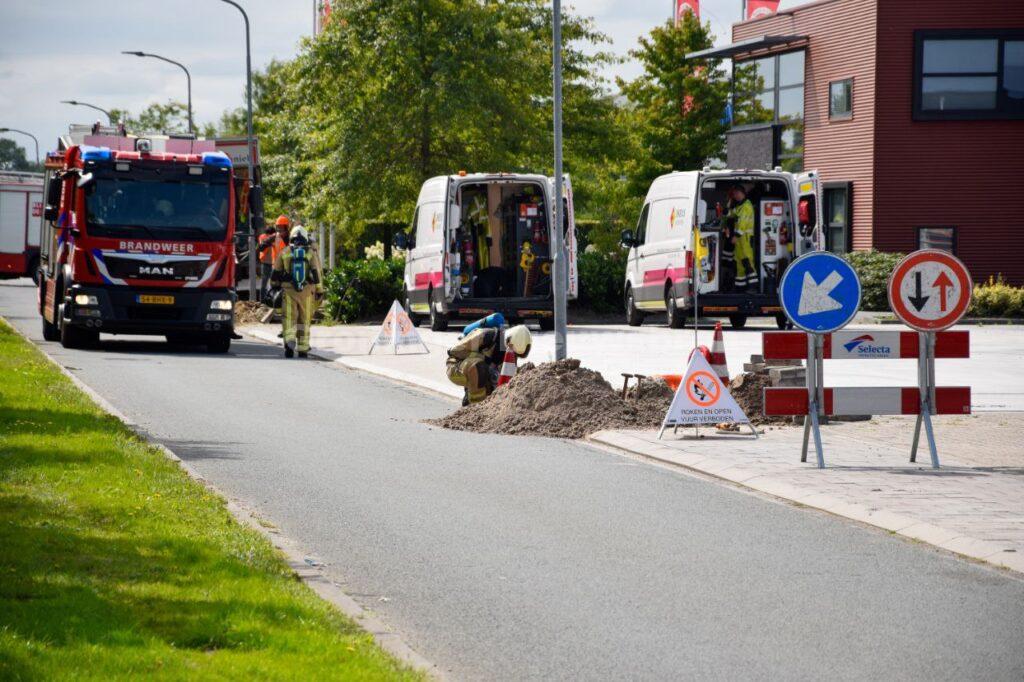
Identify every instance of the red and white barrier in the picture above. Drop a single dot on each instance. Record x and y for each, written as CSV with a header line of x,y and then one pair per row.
x,y
859,401
865,345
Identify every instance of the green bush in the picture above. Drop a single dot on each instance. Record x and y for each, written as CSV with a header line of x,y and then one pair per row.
x,y
873,268
359,289
995,298
601,279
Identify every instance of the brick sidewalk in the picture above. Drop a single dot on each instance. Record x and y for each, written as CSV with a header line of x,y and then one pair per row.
x,y
973,505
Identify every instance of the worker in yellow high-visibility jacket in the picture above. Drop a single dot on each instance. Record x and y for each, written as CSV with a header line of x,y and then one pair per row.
x,y
299,274
741,219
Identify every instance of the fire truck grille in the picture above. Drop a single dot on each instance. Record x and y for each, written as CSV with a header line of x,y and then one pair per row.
x,y
138,269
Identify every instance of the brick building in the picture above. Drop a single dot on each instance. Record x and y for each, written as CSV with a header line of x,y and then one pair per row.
x,y
913,112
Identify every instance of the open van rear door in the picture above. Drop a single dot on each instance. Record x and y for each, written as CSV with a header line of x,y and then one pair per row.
x,y
809,216
569,235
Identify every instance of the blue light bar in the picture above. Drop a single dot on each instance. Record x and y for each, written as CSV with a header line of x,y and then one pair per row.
x,y
216,159
95,153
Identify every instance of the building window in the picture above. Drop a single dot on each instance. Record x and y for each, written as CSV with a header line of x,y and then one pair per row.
x,y
941,238
771,90
840,99
969,75
837,216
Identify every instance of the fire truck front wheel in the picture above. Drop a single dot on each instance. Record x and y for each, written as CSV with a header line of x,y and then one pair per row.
x,y
219,343
76,337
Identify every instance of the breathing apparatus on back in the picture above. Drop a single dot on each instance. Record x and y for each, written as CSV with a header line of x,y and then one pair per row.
x,y
299,241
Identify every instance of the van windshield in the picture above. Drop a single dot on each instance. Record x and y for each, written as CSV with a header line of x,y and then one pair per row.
x,y
160,208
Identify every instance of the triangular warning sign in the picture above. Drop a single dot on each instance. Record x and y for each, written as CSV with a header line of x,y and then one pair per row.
x,y
702,398
397,330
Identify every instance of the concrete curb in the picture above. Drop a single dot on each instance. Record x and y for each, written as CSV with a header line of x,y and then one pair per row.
x,y
310,572
446,390
914,529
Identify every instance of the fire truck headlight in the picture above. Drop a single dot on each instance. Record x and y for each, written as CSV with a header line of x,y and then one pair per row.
x,y
86,299
221,304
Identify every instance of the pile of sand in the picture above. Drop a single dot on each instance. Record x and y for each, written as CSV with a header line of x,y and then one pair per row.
x,y
249,312
748,390
561,400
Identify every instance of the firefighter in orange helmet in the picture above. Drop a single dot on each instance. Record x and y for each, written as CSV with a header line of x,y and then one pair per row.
x,y
272,242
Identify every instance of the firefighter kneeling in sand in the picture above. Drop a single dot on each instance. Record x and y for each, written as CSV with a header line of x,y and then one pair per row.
x,y
298,274
473,362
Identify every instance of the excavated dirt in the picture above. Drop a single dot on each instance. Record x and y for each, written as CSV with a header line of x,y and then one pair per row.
x,y
748,390
561,400
249,312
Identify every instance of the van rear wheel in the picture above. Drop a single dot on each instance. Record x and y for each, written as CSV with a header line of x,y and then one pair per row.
x,y
782,322
738,321
413,317
676,319
547,324
634,318
438,321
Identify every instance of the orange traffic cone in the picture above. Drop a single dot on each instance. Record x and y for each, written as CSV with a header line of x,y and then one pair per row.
x,y
717,358
508,368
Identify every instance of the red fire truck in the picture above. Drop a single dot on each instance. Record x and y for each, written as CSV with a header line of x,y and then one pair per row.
x,y
21,208
137,238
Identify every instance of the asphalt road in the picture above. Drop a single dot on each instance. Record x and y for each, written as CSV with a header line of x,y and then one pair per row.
x,y
521,558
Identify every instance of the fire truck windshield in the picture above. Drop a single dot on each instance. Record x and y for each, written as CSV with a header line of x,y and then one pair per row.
x,y
165,208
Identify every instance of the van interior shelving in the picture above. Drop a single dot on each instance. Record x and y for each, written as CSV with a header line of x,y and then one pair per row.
x,y
502,241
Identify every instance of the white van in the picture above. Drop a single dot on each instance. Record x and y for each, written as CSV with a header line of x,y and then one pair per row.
x,y
660,272
480,243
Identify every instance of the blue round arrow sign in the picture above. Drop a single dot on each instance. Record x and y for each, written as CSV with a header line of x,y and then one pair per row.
x,y
820,292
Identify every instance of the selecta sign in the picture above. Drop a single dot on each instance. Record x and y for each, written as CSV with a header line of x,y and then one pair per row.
x,y
864,345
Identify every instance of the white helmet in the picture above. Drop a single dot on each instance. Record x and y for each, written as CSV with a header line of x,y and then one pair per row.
x,y
299,233
519,340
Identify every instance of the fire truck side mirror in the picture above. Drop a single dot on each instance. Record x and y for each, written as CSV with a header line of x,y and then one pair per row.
x,y
85,180
52,210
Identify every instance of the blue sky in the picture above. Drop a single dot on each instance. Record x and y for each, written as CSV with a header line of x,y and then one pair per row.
x,y
52,50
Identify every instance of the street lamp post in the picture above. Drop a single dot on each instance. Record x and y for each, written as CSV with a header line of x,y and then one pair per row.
x,y
558,244
15,130
188,80
110,119
252,155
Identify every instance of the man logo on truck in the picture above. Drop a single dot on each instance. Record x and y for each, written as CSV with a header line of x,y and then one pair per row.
x,y
155,270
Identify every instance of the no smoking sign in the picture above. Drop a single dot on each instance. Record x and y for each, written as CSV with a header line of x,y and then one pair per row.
x,y
930,290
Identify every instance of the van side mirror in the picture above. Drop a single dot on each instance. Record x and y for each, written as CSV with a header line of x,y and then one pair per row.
x,y
52,209
401,241
627,240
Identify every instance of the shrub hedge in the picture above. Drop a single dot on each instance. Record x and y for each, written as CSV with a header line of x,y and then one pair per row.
x,y
873,268
995,298
360,289
601,279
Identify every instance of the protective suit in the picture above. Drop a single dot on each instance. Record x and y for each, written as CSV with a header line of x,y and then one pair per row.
x,y
299,274
743,215
473,362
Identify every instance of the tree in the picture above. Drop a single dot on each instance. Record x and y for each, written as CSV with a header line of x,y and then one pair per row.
x,y
392,93
13,157
679,103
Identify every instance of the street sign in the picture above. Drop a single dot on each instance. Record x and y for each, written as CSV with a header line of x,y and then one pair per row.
x,y
930,290
820,292
702,398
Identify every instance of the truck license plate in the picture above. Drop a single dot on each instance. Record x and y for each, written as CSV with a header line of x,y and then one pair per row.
x,y
150,299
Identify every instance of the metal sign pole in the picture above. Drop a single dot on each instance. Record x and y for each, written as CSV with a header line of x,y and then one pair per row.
x,y
560,271
926,386
815,397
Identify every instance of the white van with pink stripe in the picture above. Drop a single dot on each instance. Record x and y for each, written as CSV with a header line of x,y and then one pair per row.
x,y
480,243
685,243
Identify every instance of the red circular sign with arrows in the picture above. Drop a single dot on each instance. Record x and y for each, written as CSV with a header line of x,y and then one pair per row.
x,y
930,290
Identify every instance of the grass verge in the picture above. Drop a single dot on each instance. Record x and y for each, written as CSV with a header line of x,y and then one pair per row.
x,y
115,564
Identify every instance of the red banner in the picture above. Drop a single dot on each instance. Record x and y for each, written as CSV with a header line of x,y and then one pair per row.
x,y
687,6
761,8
